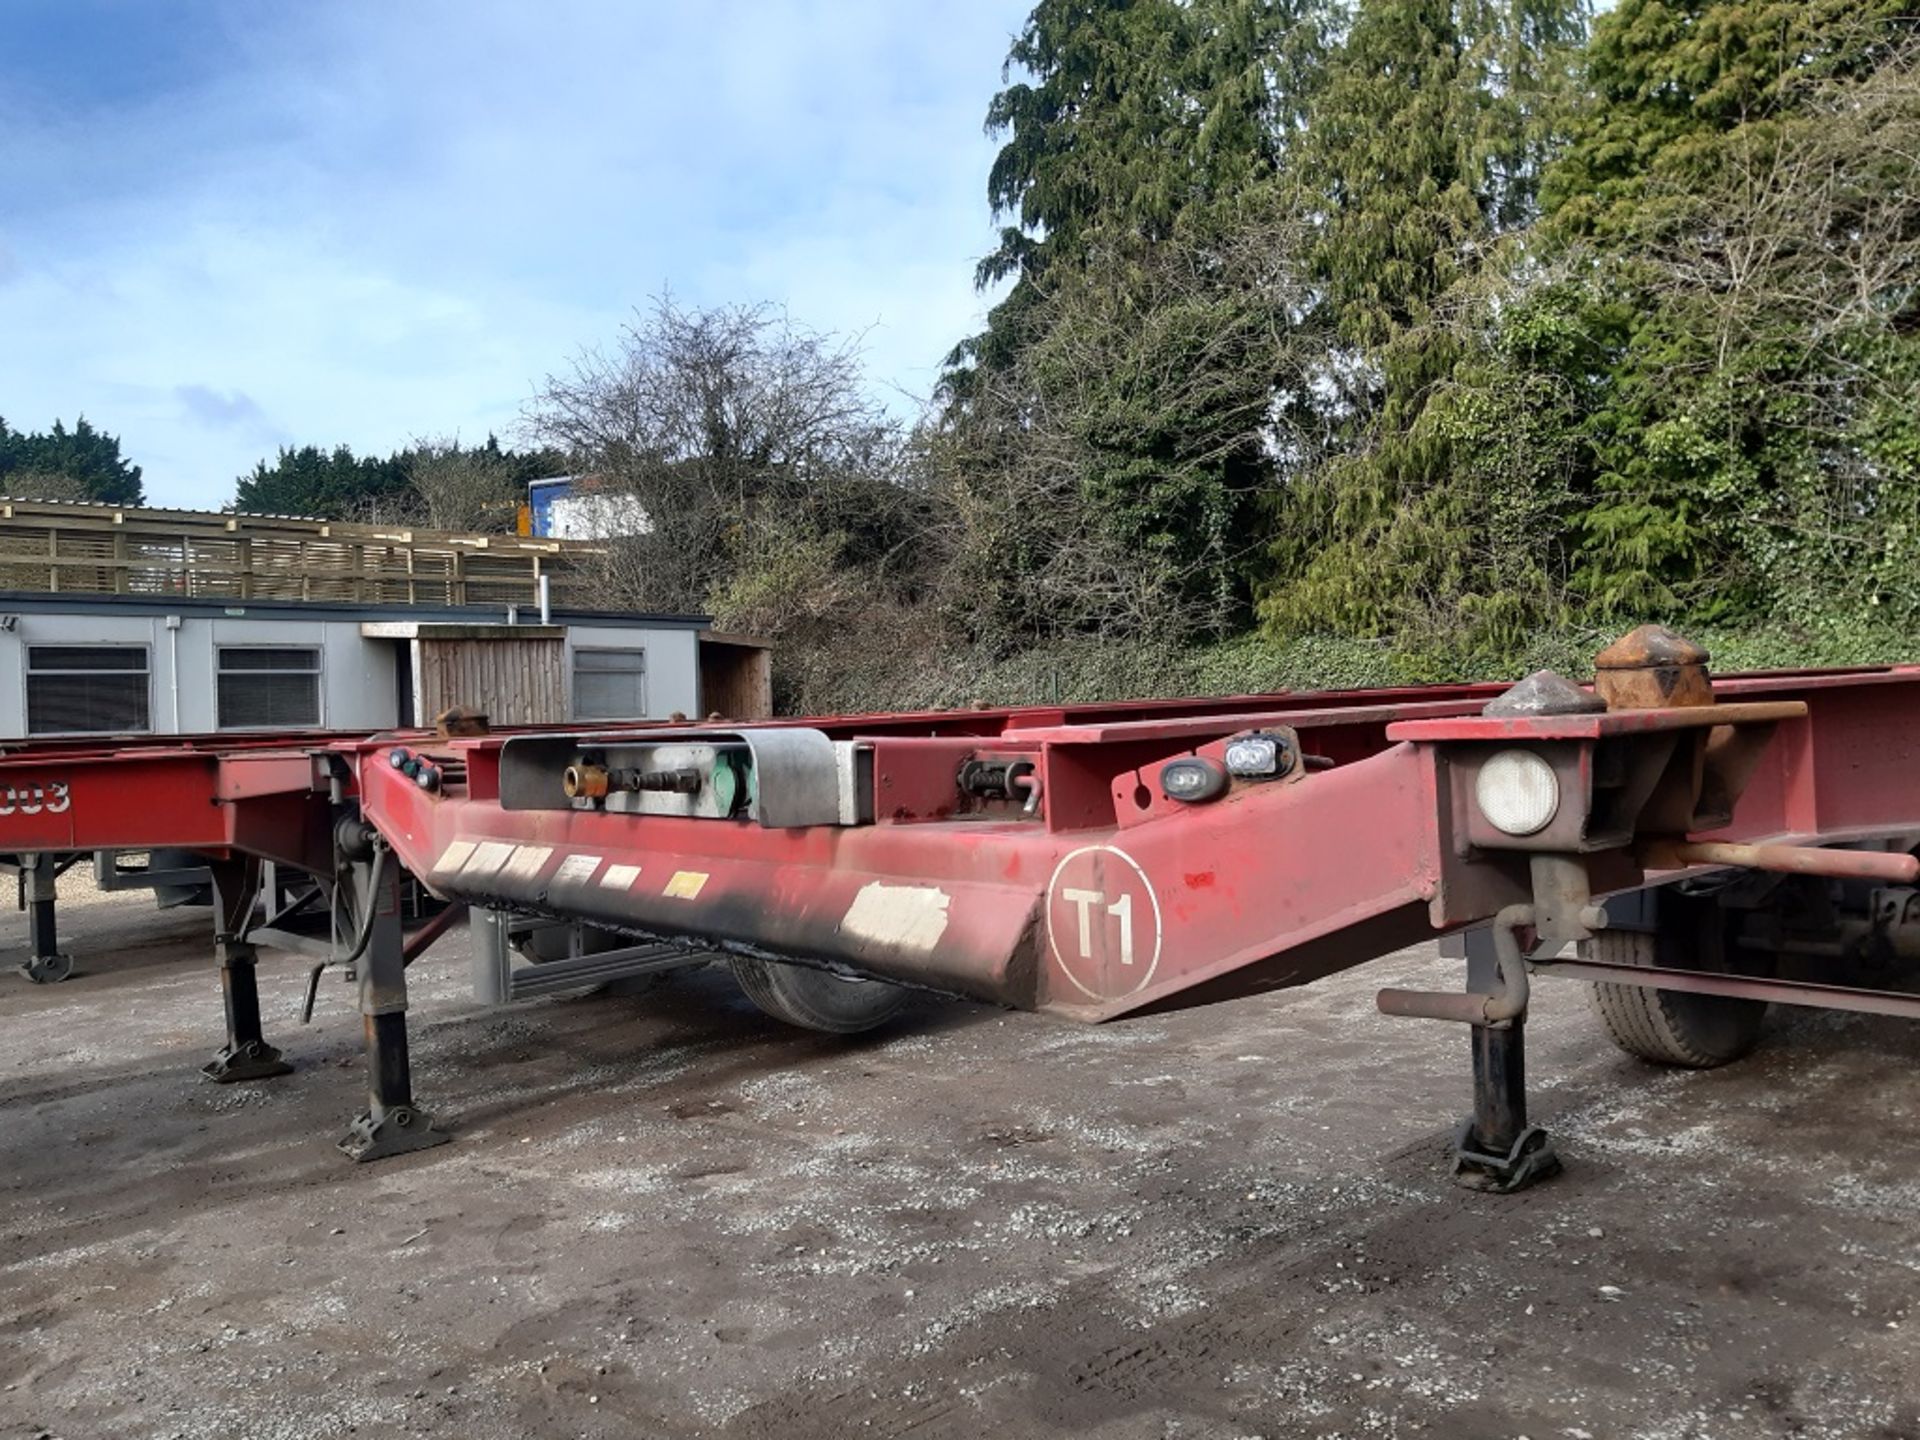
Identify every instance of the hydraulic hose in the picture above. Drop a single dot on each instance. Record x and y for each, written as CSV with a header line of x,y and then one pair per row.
x,y
362,940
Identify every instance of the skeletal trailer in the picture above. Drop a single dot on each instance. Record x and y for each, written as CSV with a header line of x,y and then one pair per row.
x,y
1704,847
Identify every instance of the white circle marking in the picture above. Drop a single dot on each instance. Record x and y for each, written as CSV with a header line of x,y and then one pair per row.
x,y
1053,943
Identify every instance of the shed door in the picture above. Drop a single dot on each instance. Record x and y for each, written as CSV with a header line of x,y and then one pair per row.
x,y
514,682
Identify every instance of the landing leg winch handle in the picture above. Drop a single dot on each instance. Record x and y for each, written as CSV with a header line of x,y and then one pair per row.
x,y
1507,1002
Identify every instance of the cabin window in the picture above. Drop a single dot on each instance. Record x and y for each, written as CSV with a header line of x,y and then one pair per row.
x,y
269,687
88,689
609,684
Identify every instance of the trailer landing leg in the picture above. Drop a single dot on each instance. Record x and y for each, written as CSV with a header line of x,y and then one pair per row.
x,y
391,1124
246,1055
44,965
1495,1148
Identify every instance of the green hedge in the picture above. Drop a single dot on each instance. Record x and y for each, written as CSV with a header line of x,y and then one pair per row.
x,y
1252,664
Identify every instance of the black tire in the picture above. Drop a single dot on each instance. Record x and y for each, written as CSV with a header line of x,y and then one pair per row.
x,y
1670,1027
817,999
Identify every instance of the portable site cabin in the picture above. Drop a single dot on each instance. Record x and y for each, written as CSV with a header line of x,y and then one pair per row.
x,y
87,664
117,619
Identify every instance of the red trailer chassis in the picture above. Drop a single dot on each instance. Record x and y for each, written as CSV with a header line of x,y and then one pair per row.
x,y
1088,861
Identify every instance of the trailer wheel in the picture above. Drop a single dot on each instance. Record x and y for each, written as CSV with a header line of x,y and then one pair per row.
x,y
817,999
1670,1027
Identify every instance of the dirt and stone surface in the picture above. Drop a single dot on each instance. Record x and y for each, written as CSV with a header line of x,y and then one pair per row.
x,y
663,1215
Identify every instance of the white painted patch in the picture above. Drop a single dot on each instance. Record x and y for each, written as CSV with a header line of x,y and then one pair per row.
x,y
488,856
454,856
576,869
526,864
620,877
904,917
686,884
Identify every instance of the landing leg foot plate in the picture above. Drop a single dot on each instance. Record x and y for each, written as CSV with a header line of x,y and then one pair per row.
x,y
396,1132
250,1060
1529,1161
47,969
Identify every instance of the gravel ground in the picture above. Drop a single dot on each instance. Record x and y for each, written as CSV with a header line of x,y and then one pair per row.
x,y
665,1216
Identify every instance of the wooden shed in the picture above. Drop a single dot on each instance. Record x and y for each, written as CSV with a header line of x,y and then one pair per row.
x,y
736,676
515,674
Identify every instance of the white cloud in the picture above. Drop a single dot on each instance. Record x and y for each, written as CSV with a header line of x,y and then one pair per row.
x,y
374,222
211,407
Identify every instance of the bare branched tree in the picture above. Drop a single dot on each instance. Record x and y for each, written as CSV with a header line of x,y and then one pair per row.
x,y
729,429
461,487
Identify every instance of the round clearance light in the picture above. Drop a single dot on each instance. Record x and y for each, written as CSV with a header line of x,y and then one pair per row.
x,y
1192,779
1518,792
397,759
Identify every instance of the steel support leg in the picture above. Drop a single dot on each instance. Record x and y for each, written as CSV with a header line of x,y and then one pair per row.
x,y
391,1124
1495,1148
246,1055
45,964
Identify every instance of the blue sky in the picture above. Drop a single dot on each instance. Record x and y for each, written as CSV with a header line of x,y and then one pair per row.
x,y
230,226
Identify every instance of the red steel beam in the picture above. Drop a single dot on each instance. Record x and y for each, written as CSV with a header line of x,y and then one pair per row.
x,y
1121,899
1022,914
258,801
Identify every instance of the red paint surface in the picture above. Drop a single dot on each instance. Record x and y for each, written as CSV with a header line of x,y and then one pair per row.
x,y
1353,851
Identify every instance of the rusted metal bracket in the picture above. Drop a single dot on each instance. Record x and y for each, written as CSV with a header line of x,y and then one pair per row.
x,y
1530,1159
